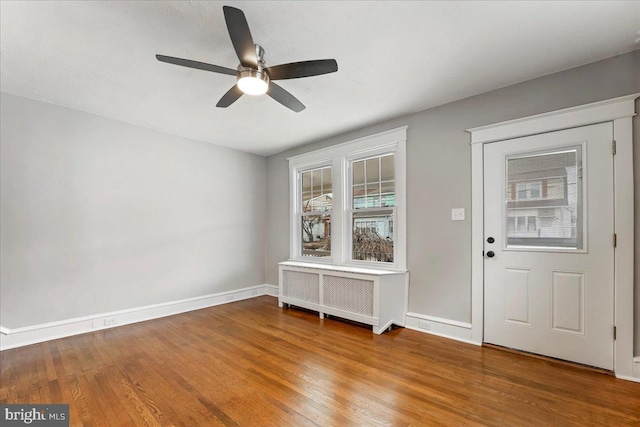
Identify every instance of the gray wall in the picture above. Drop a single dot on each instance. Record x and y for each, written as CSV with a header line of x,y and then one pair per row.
x,y
98,215
439,177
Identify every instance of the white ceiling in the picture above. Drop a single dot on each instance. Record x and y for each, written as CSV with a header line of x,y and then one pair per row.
x,y
394,58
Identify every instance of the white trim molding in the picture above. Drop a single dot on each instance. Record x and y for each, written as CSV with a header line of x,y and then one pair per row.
x,y
636,372
582,115
619,111
636,368
446,328
18,337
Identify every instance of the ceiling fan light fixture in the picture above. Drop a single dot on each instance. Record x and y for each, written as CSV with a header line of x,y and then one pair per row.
x,y
253,82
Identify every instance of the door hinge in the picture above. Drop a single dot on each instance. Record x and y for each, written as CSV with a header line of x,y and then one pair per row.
x,y
615,240
615,332
613,147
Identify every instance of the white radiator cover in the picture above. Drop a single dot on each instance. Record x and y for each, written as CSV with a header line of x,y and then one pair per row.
x,y
374,297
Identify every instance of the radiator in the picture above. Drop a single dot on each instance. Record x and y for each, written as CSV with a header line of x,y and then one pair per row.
x,y
373,297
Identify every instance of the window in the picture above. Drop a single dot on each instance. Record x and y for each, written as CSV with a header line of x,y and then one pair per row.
x,y
348,203
372,207
528,190
315,212
531,223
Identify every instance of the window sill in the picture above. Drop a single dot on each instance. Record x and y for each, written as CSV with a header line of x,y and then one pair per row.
x,y
343,268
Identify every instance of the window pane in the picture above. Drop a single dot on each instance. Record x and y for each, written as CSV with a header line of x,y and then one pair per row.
x,y
387,196
535,190
387,168
544,195
316,235
321,203
373,195
378,193
316,190
326,180
306,181
306,197
316,182
358,172
373,236
359,197
373,170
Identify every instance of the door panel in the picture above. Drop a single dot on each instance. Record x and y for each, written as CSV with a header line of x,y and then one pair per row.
x,y
568,301
549,207
516,302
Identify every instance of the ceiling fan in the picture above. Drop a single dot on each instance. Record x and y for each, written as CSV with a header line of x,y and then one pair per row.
x,y
253,76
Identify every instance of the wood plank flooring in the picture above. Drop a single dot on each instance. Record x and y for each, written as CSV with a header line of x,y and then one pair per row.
x,y
252,363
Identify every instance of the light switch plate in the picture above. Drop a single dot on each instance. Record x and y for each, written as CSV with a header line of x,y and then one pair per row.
x,y
457,214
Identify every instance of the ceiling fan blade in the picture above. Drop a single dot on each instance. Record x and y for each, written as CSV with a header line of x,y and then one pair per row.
x,y
284,98
195,64
240,36
230,97
296,70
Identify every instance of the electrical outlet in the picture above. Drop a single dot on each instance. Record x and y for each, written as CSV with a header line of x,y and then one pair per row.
x,y
423,324
110,321
457,214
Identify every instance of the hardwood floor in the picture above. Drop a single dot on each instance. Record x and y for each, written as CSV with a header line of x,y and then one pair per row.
x,y
252,363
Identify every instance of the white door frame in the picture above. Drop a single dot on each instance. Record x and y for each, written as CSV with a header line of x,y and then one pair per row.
x,y
620,112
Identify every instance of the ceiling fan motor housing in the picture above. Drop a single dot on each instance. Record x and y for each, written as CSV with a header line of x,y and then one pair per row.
x,y
254,81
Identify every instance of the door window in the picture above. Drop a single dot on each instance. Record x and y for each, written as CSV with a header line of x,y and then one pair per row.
x,y
543,199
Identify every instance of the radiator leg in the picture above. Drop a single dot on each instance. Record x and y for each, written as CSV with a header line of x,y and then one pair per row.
x,y
321,315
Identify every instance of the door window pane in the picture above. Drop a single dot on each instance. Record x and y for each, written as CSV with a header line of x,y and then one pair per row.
x,y
543,199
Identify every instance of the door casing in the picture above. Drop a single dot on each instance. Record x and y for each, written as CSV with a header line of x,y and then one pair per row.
x,y
620,112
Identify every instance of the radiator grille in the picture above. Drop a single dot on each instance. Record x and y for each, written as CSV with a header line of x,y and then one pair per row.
x,y
352,295
301,286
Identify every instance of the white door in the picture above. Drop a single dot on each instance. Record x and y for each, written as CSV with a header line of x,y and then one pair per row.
x,y
549,250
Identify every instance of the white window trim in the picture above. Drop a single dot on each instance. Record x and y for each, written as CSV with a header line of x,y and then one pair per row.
x,y
296,191
619,111
339,157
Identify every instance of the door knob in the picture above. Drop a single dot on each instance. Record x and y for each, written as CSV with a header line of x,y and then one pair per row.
x,y
491,254
491,240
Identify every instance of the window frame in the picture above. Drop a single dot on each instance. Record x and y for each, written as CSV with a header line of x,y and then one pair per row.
x,y
302,213
298,213
349,210
340,157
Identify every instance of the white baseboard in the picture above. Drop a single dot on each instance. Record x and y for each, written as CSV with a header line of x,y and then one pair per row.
x,y
18,337
271,290
636,370
452,329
